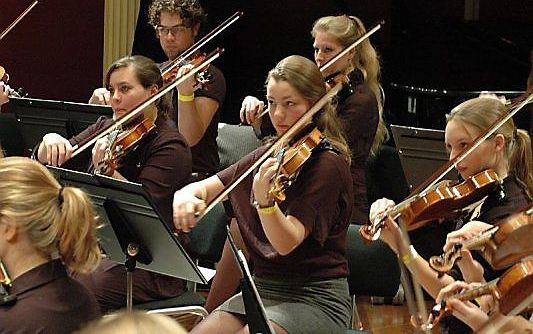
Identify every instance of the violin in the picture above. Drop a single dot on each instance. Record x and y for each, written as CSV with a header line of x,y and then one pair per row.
x,y
192,50
4,77
372,230
509,290
501,245
202,77
122,142
292,161
138,110
5,284
417,210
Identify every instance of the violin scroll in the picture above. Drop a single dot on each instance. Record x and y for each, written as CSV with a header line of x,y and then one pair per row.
x,y
4,77
5,284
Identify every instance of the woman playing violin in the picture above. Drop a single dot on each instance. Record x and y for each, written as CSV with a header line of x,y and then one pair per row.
x,y
477,318
297,246
359,104
195,110
161,162
45,229
508,152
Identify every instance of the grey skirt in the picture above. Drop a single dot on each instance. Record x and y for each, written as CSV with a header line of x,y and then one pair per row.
x,y
300,306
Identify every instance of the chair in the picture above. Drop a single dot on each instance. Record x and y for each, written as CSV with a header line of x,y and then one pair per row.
x,y
234,142
374,270
206,244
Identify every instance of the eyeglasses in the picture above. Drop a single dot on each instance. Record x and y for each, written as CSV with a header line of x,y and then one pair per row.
x,y
174,30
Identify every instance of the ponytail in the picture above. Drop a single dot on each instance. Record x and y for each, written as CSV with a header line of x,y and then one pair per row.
x,y
78,245
520,160
54,219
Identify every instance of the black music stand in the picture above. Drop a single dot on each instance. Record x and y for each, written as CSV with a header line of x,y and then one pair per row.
x,y
133,232
38,117
253,306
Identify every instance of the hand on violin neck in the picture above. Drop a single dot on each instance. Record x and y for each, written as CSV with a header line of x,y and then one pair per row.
x,y
471,269
100,96
263,182
4,93
100,157
251,108
186,88
468,231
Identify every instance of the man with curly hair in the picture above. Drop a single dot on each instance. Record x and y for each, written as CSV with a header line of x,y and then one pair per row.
x,y
196,110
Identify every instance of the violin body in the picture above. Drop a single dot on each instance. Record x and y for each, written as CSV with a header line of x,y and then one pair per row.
x,y
122,144
293,160
202,77
512,241
515,285
436,203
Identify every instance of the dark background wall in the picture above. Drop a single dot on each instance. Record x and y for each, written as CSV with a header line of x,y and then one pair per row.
x,y
56,51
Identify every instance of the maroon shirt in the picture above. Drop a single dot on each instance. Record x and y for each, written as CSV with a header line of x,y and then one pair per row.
x,y
320,198
357,109
359,116
161,163
204,154
48,302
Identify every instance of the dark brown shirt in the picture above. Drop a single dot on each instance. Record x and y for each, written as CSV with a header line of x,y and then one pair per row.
x,y
205,158
320,198
357,109
161,163
359,116
48,302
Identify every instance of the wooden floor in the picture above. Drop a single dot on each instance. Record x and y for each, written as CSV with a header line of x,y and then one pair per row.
x,y
385,319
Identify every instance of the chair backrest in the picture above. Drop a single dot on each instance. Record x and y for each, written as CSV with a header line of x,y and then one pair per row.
x,y
208,237
374,269
234,142
384,176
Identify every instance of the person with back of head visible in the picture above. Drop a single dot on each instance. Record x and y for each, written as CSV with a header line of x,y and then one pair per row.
x,y
45,229
132,323
161,162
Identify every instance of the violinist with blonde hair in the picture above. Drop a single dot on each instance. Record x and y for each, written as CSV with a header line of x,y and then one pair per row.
x,y
45,229
507,152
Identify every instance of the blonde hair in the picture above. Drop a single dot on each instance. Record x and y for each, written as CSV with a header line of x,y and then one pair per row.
x,y
347,29
302,74
54,218
132,323
481,113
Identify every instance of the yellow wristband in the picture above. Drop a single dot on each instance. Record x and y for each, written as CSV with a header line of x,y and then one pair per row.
x,y
410,256
268,210
186,98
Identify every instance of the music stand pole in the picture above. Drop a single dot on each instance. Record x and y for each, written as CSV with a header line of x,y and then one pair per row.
x,y
253,306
